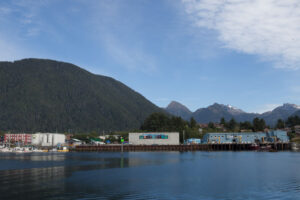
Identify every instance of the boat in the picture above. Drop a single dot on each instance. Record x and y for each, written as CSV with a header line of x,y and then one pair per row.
x,y
21,150
53,150
265,148
254,147
65,149
6,149
295,146
37,150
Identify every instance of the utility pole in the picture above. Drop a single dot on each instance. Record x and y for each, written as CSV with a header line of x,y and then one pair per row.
x,y
183,136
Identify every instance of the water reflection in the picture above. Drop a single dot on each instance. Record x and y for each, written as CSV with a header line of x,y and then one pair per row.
x,y
159,175
33,183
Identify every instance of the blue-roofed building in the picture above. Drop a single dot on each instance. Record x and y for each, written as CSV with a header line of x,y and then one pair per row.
x,y
245,138
192,141
278,136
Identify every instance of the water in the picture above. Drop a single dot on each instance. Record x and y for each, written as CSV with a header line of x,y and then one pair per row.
x,y
150,175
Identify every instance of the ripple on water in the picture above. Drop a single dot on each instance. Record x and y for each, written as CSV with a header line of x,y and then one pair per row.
x,y
159,175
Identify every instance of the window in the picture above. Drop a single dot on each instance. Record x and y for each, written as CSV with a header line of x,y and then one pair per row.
x,y
153,136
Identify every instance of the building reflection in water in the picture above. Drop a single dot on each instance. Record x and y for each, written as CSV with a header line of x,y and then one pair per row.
x,y
137,175
33,183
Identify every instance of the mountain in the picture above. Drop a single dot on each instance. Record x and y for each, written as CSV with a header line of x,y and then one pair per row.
x,y
178,109
297,113
216,111
47,95
281,112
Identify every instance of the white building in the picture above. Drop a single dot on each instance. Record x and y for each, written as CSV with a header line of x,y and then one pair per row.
x,y
161,138
48,139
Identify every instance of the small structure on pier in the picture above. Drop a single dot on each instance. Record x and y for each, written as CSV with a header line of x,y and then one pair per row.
x,y
157,138
192,141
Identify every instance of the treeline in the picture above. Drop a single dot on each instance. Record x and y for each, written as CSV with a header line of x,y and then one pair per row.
x,y
256,125
289,123
159,122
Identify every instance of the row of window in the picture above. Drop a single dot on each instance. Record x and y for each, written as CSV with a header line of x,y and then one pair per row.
x,y
235,136
153,137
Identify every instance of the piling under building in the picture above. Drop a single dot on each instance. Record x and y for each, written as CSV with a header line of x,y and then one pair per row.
x,y
193,147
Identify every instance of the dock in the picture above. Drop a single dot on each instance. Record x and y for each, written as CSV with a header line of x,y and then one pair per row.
x,y
181,148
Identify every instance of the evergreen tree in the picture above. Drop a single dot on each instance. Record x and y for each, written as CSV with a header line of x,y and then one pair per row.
x,y
156,122
246,125
259,124
232,125
211,125
161,122
222,121
293,121
280,124
193,123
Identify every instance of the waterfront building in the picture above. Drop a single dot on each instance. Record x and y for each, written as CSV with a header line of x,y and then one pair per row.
x,y
246,137
277,136
297,129
193,141
48,139
22,138
157,138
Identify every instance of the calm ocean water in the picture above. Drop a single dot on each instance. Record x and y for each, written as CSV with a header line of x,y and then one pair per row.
x,y
151,175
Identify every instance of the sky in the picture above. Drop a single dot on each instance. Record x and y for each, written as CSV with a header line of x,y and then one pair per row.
x,y
245,53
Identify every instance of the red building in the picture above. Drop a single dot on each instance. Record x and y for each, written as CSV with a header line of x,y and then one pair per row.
x,y
23,138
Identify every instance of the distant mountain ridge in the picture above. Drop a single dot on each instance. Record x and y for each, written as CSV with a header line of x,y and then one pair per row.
x,y
281,112
47,95
215,112
177,109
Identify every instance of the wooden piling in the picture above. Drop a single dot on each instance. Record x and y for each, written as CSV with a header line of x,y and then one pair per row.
x,y
194,147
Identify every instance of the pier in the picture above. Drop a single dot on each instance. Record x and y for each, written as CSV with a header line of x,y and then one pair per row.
x,y
182,148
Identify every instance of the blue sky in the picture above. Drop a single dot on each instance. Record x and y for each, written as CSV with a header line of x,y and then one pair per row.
x,y
245,53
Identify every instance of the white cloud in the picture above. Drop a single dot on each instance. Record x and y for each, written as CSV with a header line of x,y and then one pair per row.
x,y
268,28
